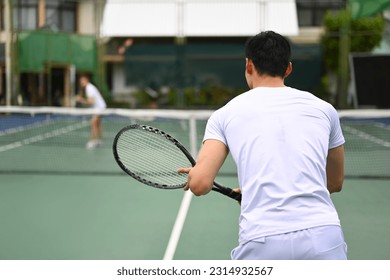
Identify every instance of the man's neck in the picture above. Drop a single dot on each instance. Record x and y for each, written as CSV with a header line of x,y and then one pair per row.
x,y
268,81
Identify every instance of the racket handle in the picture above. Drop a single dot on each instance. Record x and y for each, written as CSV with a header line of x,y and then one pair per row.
x,y
227,191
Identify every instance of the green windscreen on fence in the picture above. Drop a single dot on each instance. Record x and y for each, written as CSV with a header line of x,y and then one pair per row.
x,y
36,49
211,64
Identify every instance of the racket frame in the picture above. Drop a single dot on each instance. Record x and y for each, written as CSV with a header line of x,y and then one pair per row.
x,y
216,187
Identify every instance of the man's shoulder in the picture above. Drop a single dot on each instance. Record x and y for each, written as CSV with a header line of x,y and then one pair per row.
x,y
311,96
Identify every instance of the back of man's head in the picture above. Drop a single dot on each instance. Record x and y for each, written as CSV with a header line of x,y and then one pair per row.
x,y
270,52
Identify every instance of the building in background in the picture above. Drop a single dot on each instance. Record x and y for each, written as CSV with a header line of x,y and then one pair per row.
x,y
196,43
151,44
48,43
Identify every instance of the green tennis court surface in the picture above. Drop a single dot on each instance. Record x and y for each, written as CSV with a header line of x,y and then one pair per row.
x,y
61,201
85,217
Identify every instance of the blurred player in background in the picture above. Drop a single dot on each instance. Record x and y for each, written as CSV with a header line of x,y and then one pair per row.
x,y
92,98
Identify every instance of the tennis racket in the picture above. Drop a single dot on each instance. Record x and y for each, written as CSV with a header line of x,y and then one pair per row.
x,y
152,157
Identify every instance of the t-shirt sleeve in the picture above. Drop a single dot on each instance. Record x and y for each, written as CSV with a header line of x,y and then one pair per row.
x,y
214,128
336,137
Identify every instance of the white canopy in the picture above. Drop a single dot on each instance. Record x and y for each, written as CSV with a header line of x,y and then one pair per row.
x,y
186,18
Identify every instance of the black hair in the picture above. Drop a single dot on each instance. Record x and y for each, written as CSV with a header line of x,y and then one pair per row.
x,y
270,53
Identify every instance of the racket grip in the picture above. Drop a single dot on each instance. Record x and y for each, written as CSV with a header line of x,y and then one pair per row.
x,y
235,195
227,191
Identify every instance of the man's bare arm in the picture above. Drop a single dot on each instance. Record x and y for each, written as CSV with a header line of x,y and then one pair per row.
x,y
335,169
210,159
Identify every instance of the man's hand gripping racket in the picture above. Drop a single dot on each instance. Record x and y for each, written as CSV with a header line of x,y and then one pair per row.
x,y
153,157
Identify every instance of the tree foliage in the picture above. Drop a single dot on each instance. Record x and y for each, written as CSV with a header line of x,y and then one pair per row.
x,y
364,33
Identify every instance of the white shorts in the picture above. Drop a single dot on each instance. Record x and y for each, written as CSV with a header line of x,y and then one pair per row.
x,y
317,243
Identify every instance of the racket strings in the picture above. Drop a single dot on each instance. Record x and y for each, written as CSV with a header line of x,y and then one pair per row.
x,y
153,158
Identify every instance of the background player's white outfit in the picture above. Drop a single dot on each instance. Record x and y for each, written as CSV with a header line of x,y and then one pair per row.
x,y
279,139
92,92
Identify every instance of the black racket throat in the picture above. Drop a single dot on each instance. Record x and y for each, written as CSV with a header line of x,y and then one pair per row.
x,y
152,157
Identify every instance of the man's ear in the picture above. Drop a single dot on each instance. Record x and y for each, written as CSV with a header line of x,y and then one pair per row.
x,y
249,66
288,70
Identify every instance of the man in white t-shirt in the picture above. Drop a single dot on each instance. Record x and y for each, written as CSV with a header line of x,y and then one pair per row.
x,y
92,99
288,148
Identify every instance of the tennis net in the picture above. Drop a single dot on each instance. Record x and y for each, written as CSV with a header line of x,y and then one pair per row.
x,y
47,140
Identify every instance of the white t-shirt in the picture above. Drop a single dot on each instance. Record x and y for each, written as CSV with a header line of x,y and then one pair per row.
x,y
279,139
92,92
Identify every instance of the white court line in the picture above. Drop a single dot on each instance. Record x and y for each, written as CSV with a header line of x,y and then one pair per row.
x,y
178,227
366,136
24,127
44,136
186,201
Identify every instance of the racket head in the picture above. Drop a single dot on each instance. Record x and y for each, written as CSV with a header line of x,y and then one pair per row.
x,y
151,156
